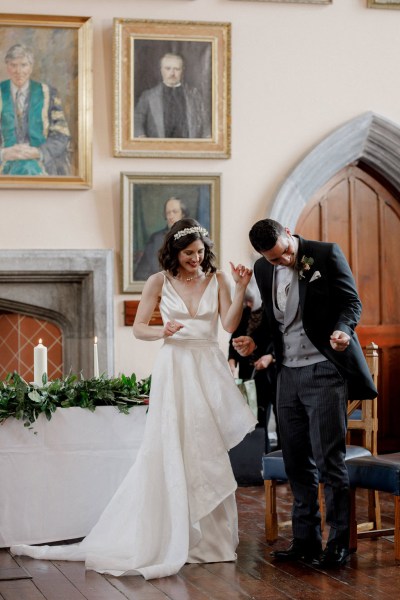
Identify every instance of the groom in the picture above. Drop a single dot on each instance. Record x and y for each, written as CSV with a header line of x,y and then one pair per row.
x,y
311,308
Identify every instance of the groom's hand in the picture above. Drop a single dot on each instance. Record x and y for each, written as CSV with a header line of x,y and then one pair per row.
x,y
244,345
339,341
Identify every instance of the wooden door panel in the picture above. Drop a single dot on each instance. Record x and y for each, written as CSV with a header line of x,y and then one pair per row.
x,y
336,215
362,216
387,338
311,221
365,261
390,263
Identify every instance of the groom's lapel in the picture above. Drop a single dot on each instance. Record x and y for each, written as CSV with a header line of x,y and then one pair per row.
x,y
302,251
270,289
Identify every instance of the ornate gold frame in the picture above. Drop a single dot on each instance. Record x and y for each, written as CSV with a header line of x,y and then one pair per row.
x,y
159,188
384,4
175,35
296,1
76,32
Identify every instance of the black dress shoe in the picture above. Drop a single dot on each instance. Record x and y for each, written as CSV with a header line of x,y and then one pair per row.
x,y
333,556
299,550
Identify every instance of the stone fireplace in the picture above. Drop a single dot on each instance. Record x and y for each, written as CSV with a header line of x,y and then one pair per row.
x,y
70,288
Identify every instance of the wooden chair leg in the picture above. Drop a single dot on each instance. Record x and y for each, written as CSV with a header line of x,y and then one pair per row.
x,y
374,514
271,517
353,522
374,509
397,528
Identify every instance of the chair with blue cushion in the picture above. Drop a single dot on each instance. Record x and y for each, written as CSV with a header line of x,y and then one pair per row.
x,y
273,470
376,473
362,417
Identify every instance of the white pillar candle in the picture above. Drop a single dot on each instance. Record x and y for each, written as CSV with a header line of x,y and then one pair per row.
x,y
95,359
39,363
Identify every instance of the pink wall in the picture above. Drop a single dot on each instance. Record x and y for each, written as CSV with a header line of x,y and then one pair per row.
x,y
299,71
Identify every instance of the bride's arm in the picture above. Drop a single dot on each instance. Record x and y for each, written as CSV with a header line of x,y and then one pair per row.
x,y
230,309
150,296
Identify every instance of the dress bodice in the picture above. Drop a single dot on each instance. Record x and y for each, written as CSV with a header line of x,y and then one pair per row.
x,y
204,324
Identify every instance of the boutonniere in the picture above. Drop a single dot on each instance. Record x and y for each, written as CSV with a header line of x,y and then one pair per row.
x,y
305,264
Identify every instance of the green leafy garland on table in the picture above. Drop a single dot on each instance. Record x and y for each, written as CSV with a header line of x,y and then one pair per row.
x,y
26,401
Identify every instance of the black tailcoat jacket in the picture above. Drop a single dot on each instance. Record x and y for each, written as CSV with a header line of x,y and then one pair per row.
x,y
328,301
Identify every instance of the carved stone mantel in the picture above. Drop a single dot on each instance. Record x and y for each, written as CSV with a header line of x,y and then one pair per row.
x,y
71,288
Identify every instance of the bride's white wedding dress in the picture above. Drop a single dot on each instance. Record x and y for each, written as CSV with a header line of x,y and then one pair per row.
x,y
177,502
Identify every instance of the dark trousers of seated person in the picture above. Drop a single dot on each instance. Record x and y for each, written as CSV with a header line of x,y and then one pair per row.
x,y
312,412
265,381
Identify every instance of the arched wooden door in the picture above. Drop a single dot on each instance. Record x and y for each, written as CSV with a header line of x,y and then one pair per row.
x,y
363,217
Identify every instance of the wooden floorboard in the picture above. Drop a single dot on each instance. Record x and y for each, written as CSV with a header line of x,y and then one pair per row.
x,y
371,574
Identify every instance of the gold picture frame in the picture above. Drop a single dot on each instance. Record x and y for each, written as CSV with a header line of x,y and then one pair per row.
x,y
294,1
384,4
201,51
145,202
46,137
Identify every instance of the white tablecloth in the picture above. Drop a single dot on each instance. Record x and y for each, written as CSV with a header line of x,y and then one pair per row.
x,y
56,478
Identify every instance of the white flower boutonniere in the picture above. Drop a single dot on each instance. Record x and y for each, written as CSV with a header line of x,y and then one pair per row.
x,y
306,264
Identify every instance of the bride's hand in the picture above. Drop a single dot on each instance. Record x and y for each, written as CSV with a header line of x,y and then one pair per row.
x,y
171,328
241,274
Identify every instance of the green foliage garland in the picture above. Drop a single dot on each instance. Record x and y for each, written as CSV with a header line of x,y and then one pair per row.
x,y
26,401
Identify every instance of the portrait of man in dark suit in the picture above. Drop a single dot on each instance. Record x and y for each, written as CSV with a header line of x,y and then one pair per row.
x,y
155,208
147,260
177,103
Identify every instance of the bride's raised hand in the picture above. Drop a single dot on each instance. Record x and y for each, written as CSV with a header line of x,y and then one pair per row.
x,y
241,274
171,327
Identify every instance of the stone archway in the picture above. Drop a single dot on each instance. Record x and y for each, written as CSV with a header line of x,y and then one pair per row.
x,y
347,190
369,138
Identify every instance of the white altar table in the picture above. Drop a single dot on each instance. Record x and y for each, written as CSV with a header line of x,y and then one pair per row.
x,y
56,478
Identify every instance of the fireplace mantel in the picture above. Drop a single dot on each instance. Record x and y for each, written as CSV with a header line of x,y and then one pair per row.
x,y
72,288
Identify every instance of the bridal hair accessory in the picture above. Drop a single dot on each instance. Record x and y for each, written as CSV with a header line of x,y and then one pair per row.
x,y
189,230
306,264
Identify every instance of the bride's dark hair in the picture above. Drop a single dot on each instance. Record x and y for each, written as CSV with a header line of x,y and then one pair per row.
x,y
181,235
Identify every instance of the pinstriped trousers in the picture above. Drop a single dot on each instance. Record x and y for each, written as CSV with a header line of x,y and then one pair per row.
x,y
312,414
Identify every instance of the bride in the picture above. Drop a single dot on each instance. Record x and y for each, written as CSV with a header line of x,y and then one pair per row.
x,y
177,502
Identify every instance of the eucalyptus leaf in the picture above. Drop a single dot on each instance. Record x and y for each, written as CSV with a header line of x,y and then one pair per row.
x,y
35,396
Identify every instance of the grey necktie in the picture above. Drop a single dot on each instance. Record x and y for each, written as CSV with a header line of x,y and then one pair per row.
x,y
283,289
20,104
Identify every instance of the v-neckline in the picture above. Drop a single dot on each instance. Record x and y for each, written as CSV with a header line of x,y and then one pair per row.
x,y
182,300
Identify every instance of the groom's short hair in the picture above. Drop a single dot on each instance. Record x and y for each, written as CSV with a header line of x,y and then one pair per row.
x,y
265,233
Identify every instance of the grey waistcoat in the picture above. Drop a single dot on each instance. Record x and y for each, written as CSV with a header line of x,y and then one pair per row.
x,y
298,351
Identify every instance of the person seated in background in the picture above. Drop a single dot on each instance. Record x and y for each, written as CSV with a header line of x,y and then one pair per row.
x,y
174,210
259,363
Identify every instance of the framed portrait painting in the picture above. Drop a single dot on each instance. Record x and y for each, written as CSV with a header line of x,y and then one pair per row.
x,y
172,89
384,4
297,1
45,101
150,205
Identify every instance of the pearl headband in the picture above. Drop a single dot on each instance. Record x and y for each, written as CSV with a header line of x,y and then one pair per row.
x,y
189,230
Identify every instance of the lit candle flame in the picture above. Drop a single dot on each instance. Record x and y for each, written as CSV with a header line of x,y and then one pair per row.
x,y
95,340
40,340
